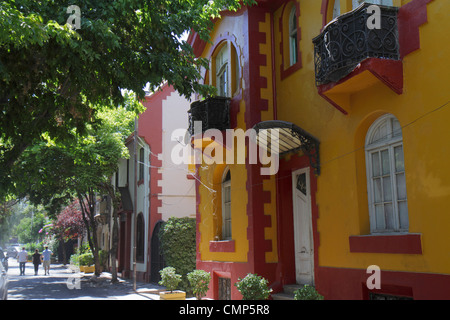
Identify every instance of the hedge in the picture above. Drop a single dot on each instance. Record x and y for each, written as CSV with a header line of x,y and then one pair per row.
x,y
178,246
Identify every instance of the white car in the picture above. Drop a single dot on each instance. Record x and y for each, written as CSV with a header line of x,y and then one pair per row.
x,y
3,283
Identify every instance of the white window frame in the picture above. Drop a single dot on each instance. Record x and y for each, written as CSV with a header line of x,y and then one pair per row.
x,y
357,3
336,8
293,36
226,210
390,142
223,71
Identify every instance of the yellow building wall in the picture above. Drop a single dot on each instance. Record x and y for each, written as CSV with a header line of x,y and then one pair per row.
x,y
342,186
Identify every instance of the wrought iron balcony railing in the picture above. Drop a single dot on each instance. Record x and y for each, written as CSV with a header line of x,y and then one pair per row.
x,y
213,112
347,41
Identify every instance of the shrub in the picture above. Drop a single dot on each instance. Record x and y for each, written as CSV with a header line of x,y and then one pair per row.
x,y
74,259
307,293
178,236
253,287
86,259
199,280
169,278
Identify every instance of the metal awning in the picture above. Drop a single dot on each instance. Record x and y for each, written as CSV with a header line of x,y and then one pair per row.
x,y
290,138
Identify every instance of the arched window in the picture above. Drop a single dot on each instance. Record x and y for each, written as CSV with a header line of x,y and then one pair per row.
x,y
226,70
226,205
386,184
140,238
357,3
222,61
293,39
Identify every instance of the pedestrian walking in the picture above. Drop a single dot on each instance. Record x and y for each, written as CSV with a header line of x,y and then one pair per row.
x,y
22,257
36,261
46,259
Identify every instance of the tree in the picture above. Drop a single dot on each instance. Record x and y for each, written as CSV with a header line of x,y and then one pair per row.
x,y
28,228
53,173
53,78
69,225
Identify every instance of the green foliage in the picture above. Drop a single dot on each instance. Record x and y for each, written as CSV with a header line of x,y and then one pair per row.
x,y
253,287
86,259
84,251
178,245
199,281
169,278
53,172
54,79
307,293
28,228
30,247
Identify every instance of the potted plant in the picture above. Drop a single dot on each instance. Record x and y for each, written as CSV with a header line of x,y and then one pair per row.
x,y
199,280
307,293
170,279
253,287
86,261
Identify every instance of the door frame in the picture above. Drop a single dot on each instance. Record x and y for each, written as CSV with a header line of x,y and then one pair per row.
x,y
295,209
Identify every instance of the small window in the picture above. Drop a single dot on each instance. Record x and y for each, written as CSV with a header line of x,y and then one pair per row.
x,y
293,38
226,205
140,237
141,164
388,206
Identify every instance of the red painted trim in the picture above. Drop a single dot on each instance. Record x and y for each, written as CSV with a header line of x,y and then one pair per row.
x,y
406,244
351,284
389,72
410,17
197,44
150,129
222,246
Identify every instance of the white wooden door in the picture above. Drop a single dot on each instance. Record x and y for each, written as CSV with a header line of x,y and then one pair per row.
x,y
304,248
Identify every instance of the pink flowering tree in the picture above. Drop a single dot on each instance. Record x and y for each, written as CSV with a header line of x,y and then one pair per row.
x,y
69,224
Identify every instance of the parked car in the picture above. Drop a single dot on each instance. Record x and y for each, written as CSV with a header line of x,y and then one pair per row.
x,y
11,252
3,280
3,260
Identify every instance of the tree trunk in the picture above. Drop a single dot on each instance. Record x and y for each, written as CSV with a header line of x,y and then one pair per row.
x,y
115,198
88,210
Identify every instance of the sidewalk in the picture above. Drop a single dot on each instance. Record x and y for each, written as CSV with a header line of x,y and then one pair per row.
x,y
67,283
123,289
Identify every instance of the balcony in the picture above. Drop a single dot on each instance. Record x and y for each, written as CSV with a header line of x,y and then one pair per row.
x,y
212,113
350,57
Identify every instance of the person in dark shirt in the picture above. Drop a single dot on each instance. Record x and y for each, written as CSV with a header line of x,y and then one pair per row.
x,y
36,261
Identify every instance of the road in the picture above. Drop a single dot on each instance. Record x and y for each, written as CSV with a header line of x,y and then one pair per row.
x,y
63,284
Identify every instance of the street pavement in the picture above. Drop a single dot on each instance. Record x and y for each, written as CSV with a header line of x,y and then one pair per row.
x,y
63,283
